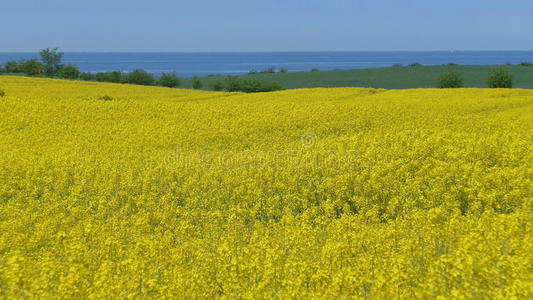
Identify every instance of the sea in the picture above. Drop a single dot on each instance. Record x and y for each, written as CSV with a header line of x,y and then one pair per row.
x,y
234,63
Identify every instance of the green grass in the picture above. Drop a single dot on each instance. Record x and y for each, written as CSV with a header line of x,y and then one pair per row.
x,y
388,78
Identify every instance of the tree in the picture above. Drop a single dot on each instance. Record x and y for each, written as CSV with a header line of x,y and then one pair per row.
x,y
218,85
32,67
69,72
169,80
87,76
52,60
140,77
116,77
101,76
197,83
500,78
449,80
251,85
12,67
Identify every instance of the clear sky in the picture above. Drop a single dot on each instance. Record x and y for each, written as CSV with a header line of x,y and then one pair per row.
x,y
266,25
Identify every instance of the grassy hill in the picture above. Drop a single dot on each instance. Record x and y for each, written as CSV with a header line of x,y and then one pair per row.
x,y
388,78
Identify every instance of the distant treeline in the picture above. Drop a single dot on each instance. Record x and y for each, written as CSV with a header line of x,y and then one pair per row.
x,y
50,65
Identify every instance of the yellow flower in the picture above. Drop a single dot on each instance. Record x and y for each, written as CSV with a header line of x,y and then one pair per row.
x,y
310,193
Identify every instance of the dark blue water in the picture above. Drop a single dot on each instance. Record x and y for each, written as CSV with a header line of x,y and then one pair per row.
x,y
202,64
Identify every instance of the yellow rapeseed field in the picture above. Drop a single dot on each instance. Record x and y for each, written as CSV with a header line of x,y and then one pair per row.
x,y
311,193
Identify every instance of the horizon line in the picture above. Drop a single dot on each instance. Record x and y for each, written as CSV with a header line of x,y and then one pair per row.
x,y
276,51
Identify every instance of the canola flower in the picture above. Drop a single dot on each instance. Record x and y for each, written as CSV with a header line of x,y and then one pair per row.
x,y
312,193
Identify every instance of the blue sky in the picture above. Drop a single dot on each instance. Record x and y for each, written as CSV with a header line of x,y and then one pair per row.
x,y
267,25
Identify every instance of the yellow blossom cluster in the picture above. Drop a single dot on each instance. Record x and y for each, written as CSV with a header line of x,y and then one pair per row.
x,y
311,193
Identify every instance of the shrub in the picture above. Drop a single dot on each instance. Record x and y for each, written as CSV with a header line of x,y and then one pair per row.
x,y
452,64
105,98
526,64
450,80
32,67
397,65
233,84
267,71
140,77
315,70
508,63
69,72
251,85
197,83
115,77
415,64
169,80
52,60
87,76
500,78
101,76
12,67
2,93
283,70
218,85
